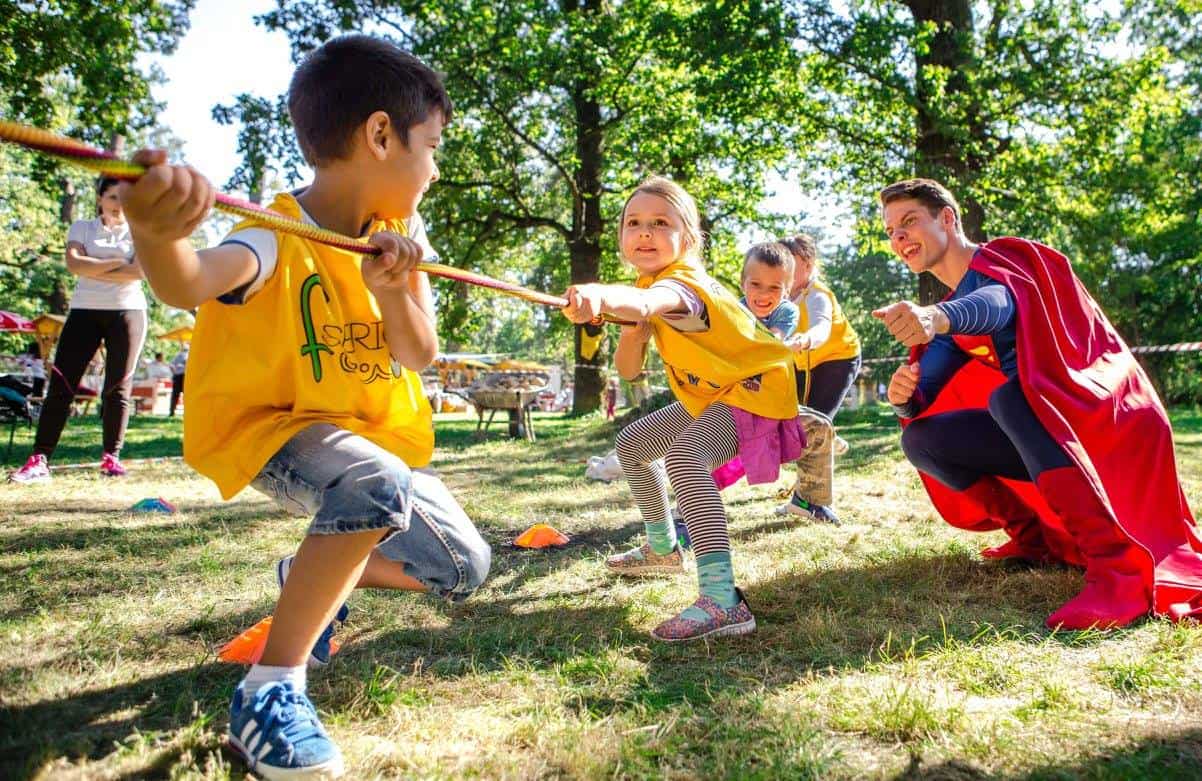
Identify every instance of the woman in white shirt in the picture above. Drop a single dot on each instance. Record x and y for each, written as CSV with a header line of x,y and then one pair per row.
x,y
107,307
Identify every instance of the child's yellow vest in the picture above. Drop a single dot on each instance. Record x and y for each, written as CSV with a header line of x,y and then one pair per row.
x,y
736,360
306,348
843,343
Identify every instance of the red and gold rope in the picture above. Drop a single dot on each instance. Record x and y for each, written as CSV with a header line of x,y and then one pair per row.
x,y
106,163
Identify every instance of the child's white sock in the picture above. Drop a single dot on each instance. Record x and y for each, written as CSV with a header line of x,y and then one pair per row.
x,y
261,674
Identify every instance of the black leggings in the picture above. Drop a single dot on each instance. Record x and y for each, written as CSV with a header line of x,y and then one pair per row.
x,y
829,382
177,388
1007,440
123,332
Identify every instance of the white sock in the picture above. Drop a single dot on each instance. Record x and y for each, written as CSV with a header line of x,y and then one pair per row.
x,y
261,674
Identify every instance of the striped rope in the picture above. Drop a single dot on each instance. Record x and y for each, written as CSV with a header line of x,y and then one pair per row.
x,y
77,153
1179,347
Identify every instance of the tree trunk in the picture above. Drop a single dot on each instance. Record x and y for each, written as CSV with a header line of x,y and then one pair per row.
x,y
938,155
66,211
584,248
459,305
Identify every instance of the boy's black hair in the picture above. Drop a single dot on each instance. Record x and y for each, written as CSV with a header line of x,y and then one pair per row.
x,y
345,80
770,253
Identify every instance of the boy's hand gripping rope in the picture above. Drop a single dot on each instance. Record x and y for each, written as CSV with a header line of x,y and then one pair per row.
x,y
77,153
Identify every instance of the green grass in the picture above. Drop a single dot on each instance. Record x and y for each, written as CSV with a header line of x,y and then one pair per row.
x,y
886,647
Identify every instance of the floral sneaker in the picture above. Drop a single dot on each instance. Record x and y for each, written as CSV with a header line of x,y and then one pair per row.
x,y
36,470
644,561
111,467
737,620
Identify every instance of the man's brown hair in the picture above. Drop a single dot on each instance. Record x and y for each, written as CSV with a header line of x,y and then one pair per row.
x,y
928,192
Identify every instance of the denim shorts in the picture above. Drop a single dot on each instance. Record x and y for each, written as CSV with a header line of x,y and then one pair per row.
x,y
348,484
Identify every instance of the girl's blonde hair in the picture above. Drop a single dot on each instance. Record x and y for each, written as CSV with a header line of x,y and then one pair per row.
x,y
680,200
803,246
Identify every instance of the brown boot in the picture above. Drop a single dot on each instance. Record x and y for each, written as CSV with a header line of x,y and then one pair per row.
x,y
1117,570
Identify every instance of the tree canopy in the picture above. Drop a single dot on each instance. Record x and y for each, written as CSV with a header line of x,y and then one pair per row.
x,y
73,67
1070,122
562,107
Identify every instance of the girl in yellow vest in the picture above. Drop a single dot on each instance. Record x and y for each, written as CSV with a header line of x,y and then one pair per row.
x,y
827,357
733,381
827,347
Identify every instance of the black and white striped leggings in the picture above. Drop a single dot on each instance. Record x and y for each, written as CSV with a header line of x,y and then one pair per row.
x,y
691,448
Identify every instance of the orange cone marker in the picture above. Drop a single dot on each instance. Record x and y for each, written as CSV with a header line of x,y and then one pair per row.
x,y
540,535
247,648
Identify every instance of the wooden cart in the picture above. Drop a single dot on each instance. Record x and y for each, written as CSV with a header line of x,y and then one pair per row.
x,y
515,392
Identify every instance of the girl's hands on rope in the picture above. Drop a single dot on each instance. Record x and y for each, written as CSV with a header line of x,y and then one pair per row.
x,y
389,270
798,343
912,324
168,202
584,303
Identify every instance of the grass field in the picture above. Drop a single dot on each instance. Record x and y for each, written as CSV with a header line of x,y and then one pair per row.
x,y
886,647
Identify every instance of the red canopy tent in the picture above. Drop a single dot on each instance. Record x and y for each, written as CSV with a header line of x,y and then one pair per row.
x,y
14,322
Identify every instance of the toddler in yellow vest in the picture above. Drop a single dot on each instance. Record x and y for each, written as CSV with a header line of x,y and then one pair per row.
x,y
303,377
769,269
827,357
733,381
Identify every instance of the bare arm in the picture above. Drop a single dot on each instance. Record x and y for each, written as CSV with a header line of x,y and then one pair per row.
x,y
184,278
631,352
406,304
83,265
126,272
164,207
587,302
419,287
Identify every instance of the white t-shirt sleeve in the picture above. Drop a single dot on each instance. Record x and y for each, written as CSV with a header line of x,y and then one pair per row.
x,y
263,243
417,231
78,232
820,311
695,318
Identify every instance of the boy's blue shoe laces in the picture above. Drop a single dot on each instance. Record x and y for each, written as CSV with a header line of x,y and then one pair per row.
x,y
285,721
290,713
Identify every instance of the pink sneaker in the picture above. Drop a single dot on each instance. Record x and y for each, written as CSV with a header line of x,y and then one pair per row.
x,y
111,467
36,470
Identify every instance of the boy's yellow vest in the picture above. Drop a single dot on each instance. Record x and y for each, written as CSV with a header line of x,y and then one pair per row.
x,y
306,348
736,361
843,342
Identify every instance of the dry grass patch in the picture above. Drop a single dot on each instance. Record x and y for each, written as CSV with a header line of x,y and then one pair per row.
x,y
886,647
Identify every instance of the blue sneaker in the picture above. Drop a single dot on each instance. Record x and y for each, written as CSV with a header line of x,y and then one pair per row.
x,y
279,735
320,655
798,506
682,531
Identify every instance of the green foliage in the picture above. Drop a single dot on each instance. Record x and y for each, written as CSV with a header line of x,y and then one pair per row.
x,y
561,108
1060,122
265,142
73,65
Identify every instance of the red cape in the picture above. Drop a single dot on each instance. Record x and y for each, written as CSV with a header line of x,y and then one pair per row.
x,y
1094,399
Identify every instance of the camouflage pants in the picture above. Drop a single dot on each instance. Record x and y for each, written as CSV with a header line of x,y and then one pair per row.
x,y
816,467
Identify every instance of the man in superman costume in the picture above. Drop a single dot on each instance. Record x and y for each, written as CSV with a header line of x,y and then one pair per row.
x,y
1024,410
